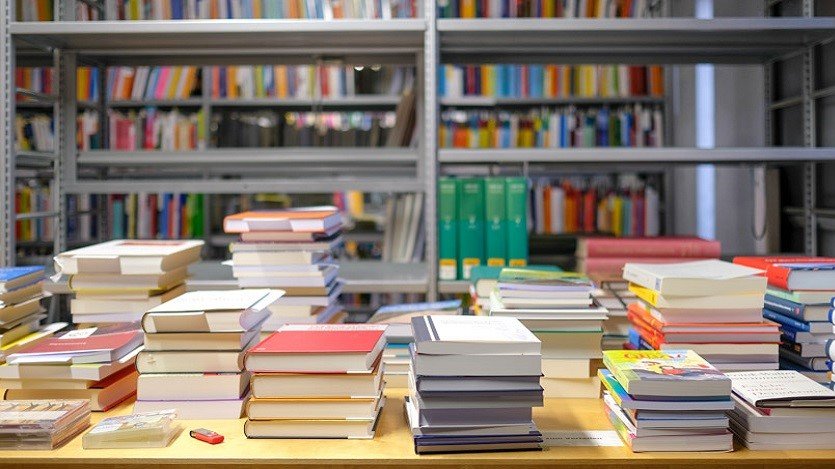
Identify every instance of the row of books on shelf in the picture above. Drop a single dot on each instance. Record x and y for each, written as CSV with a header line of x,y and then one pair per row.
x,y
155,216
547,8
34,132
34,198
589,205
566,127
168,82
258,9
152,129
481,221
550,81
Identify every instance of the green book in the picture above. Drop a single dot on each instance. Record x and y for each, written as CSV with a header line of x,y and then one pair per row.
x,y
516,191
470,225
447,229
495,237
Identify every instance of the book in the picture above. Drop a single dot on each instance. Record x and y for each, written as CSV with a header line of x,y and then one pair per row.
x,y
192,386
227,409
516,212
660,373
470,225
318,385
21,294
310,219
103,284
318,348
447,229
627,402
475,335
211,311
807,297
476,364
651,247
12,278
185,361
794,273
315,408
129,257
133,305
729,301
697,278
799,311
805,326
311,428
542,281
102,395
202,341
495,219
780,388
80,346
138,430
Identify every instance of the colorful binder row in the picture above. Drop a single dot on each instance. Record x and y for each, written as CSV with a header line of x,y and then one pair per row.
x,y
150,216
128,83
258,9
545,8
569,127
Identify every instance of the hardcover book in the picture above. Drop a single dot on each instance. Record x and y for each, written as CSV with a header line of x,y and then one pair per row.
x,y
130,257
308,219
709,277
12,278
794,273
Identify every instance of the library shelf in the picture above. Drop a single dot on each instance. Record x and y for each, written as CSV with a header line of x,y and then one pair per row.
x,y
393,447
34,159
224,41
297,185
369,100
644,40
485,101
454,287
253,156
634,155
186,102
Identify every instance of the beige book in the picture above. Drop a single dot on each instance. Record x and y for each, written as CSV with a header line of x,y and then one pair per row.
x,y
314,408
103,395
13,313
106,305
283,258
130,257
317,385
316,428
571,387
579,345
193,361
567,368
104,284
191,386
22,294
206,341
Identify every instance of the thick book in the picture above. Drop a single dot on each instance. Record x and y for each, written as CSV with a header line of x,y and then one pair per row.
x,y
314,408
542,280
212,311
794,273
729,301
798,311
103,395
516,210
12,278
319,348
447,229
226,409
470,225
780,388
191,386
806,297
122,304
11,315
323,385
495,222
476,365
89,345
203,341
308,219
613,266
103,284
707,314
658,247
298,260
680,373
199,361
627,402
709,278
130,257
476,335
312,428
814,327
22,293
288,237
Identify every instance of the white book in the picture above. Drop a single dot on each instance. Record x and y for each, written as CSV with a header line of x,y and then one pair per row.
x,y
129,257
226,409
478,365
780,388
191,386
476,335
710,277
226,300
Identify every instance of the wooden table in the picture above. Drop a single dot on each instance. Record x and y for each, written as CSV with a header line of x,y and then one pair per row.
x,y
393,447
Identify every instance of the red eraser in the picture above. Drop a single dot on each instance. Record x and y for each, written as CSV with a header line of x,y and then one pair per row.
x,y
208,436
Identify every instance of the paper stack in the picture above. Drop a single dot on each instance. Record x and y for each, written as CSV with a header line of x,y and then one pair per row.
x,y
96,364
398,318
558,308
667,400
194,352
614,296
473,384
316,381
711,307
20,304
117,281
292,250
782,410
41,424
799,299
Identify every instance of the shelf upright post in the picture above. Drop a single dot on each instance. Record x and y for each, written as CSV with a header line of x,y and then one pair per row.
x,y
431,62
7,147
809,140
65,164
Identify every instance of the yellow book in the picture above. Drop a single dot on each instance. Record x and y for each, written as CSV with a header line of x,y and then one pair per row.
x,y
468,8
174,79
280,72
231,82
646,294
617,216
81,83
134,10
256,10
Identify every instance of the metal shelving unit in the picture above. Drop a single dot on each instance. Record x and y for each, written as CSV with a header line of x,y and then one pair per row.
x,y
426,43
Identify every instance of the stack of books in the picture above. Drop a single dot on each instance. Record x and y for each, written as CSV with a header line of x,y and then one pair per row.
x,y
316,381
398,318
614,296
667,401
21,290
117,281
473,384
782,410
558,308
799,299
293,250
711,307
96,364
41,424
606,256
194,353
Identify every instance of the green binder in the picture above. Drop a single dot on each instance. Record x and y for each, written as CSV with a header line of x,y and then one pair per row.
x,y
447,229
470,225
495,238
517,221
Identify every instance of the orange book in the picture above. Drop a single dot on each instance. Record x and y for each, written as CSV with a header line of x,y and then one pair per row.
x,y
313,220
231,82
656,80
546,208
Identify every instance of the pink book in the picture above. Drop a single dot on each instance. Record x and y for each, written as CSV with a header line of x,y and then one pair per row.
x,y
162,84
614,265
640,247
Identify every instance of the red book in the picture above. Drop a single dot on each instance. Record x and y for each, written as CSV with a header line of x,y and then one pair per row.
x,y
661,246
614,265
318,348
795,273
89,345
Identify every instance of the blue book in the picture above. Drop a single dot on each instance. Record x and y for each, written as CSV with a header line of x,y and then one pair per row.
x,y
799,311
414,307
812,363
798,326
118,229
16,277
821,377
791,334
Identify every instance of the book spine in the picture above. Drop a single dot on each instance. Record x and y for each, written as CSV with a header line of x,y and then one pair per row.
x,y
786,307
652,248
516,191
794,324
470,225
495,239
447,229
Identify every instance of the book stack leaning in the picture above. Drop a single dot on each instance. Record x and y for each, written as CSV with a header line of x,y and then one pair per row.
x,y
473,384
782,410
799,299
20,305
558,308
666,400
117,281
293,250
194,352
711,307
316,381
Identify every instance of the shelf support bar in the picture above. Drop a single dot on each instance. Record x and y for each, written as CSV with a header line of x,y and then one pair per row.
x,y
810,217
430,144
7,147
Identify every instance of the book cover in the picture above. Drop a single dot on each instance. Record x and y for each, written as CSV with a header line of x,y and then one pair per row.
x,y
8,274
635,366
470,225
660,246
778,270
780,388
447,229
495,238
516,191
521,278
321,338
82,341
306,219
